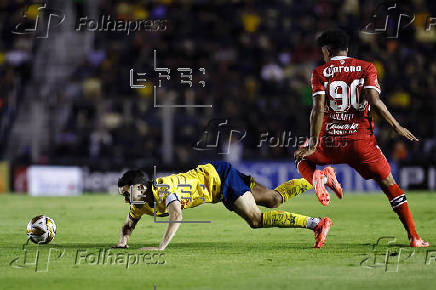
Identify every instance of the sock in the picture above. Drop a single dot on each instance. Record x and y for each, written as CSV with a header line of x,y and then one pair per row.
x,y
306,170
292,188
312,223
284,219
399,204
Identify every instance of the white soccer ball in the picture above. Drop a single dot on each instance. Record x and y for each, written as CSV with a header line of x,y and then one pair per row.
x,y
41,229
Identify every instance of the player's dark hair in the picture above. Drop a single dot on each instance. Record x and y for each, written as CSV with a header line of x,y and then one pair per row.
x,y
336,40
132,177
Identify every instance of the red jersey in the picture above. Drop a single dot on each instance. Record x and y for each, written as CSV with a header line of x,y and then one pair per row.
x,y
342,80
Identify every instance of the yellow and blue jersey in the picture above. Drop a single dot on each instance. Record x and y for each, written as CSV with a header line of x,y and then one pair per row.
x,y
208,183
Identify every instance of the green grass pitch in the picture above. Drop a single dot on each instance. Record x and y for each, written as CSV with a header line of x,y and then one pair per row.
x,y
225,254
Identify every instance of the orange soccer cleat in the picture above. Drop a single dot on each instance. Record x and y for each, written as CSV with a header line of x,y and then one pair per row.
x,y
332,182
418,243
321,230
318,186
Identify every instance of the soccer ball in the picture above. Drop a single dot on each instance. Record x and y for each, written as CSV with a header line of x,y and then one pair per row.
x,y
41,229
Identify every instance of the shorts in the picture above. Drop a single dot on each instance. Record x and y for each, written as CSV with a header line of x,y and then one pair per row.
x,y
233,183
362,155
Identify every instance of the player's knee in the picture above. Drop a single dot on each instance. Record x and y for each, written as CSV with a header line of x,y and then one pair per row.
x,y
276,199
388,181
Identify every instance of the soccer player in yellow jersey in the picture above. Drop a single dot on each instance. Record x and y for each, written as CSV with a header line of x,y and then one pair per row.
x,y
211,183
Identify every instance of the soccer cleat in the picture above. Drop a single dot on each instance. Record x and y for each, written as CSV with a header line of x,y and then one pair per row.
x,y
321,230
332,182
418,243
318,186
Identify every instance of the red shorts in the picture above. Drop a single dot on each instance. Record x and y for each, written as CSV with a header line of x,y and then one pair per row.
x,y
362,155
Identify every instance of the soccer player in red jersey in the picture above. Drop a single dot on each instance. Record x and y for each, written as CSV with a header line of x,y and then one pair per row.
x,y
344,91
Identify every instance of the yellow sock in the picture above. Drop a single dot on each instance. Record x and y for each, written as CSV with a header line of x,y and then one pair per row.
x,y
283,219
292,188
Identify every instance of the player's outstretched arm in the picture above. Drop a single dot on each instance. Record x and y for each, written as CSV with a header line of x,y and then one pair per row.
x,y
378,105
316,119
126,231
175,217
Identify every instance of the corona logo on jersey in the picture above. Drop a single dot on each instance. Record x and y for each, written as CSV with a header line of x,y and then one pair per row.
x,y
331,70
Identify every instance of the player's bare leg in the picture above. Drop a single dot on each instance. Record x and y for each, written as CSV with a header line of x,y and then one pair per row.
x,y
306,169
398,201
266,197
272,198
245,206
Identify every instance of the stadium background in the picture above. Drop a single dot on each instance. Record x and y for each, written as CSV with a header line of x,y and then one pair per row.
x,y
66,99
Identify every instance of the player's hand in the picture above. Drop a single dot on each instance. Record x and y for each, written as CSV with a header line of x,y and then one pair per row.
x,y
120,246
405,133
151,249
303,152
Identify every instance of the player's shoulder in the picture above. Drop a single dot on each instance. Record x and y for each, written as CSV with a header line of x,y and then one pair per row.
x,y
360,62
335,65
208,167
318,73
137,210
343,61
319,69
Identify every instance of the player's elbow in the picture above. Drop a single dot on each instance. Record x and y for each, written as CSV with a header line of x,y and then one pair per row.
x,y
318,103
373,97
176,216
378,106
175,211
317,109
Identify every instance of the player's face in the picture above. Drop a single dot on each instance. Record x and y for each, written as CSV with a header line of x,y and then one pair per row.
x,y
137,192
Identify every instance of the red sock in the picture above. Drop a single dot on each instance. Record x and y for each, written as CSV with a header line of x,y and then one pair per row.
x,y
306,170
399,204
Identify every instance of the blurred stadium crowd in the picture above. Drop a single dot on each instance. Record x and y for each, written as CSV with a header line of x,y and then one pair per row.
x,y
258,57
